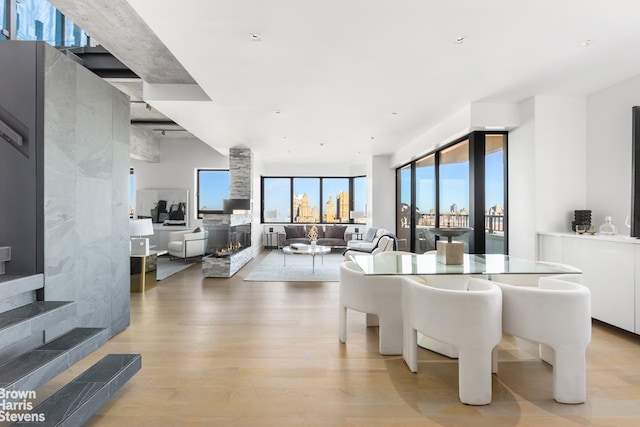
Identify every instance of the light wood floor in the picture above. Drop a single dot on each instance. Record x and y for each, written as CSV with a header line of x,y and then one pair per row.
x,y
224,352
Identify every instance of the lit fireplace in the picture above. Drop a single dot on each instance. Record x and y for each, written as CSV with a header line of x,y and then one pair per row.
x,y
226,240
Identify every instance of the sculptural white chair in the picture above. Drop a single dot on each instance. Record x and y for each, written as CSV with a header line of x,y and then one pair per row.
x,y
546,353
375,295
469,319
557,315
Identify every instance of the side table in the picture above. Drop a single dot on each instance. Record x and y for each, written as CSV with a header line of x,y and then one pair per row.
x,y
269,237
143,271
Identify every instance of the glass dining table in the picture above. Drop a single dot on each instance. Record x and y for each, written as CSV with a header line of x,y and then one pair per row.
x,y
473,264
476,264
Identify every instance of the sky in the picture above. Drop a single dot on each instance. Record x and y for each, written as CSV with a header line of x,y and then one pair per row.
x,y
214,187
455,185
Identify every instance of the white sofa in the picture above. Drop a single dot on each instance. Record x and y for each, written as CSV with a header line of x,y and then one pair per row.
x,y
187,243
376,240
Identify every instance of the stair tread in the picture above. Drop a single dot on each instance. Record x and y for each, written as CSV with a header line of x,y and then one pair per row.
x,y
88,392
30,361
13,284
29,311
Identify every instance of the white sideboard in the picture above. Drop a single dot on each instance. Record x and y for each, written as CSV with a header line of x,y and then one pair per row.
x,y
611,268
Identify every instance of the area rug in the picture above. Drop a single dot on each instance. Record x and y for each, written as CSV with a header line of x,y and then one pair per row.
x,y
298,268
167,268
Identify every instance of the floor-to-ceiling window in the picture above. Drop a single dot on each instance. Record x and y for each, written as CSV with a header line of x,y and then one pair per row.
x,y
495,195
460,185
454,188
425,203
404,206
360,200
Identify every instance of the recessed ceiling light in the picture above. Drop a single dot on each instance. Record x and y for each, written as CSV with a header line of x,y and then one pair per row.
x,y
587,42
460,39
255,37
277,111
373,137
395,113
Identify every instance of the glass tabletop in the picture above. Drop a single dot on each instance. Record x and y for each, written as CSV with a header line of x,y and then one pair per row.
x,y
418,264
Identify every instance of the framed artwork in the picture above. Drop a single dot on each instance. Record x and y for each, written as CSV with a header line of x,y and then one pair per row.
x,y
163,206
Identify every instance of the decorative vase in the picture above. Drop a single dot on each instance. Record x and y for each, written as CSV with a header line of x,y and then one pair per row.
x,y
607,227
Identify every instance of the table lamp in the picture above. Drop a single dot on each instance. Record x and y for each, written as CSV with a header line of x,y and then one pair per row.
x,y
137,228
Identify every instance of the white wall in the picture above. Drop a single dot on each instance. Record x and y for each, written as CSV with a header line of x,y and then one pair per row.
x,y
547,169
521,181
609,152
381,194
179,159
560,160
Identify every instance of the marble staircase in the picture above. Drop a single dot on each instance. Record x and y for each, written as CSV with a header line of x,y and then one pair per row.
x,y
40,339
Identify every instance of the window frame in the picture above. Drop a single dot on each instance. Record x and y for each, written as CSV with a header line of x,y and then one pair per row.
x,y
476,188
321,209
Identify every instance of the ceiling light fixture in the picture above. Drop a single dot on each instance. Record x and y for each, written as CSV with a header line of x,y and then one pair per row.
x,y
587,43
395,113
277,111
460,39
255,37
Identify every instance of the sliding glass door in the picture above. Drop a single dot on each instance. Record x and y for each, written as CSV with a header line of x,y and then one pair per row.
x,y
461,185
425,203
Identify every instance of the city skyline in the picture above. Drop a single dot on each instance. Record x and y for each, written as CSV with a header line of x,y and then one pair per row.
x,y
278,198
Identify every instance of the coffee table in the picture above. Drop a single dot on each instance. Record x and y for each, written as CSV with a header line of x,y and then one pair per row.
x,y
306,250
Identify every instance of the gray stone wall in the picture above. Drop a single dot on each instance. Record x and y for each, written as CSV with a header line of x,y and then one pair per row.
x,y
144,146
240,173
86,169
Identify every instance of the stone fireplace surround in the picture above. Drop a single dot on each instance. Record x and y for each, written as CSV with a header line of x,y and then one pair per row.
x,y
240,181
227,266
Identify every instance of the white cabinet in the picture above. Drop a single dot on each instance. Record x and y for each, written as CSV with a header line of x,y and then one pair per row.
x,y
611,268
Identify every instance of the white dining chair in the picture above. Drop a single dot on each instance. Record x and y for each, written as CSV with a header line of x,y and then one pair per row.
x,y
469,319
557,315
379,296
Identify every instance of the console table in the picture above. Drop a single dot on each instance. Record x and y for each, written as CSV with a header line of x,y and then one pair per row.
x,y
143,271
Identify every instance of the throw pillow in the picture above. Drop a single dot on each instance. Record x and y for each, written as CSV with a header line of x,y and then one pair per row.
x,y
371,234
291,231
336,232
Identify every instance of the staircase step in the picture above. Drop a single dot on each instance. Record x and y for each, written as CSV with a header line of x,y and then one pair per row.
x,y
34,368
79,400
5,253
32,319
13,284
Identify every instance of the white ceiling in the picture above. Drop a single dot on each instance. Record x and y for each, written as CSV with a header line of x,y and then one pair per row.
x,y
337,71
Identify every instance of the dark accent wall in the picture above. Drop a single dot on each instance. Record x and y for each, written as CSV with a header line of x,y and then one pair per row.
x,y
21,178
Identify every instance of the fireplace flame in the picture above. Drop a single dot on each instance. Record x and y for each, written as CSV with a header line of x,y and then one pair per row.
x,y
228,249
